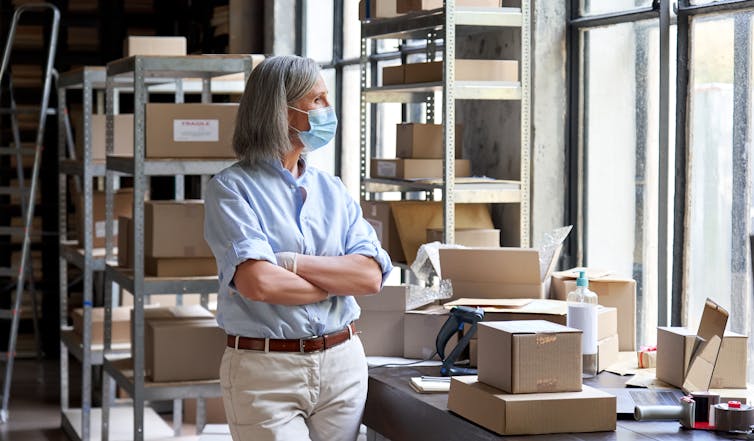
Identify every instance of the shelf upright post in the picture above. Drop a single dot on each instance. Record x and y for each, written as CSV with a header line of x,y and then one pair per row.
x,y
108,384
363,156
62,262
525,207
449,122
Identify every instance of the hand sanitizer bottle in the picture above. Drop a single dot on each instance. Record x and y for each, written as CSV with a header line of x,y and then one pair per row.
x,y
582,314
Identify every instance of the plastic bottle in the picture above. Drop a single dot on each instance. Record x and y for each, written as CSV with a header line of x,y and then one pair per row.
x,y
582,314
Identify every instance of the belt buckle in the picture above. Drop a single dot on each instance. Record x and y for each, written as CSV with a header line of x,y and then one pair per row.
x,y
301,343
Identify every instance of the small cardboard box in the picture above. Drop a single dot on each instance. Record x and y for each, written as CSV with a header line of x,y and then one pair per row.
x,y
377,9
590,410
119,329
381,332
199,360
125,239
617,292
190,130
404,6
607,352
469,237
420,329
213,407
180,266
174,313
392,75
424,141
175,229
465,70
415,168
151,45
529,356
674,347
390,298
123,141
123,201
495,273
380,217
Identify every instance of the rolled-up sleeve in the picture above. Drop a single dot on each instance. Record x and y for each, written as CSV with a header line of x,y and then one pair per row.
x,y
232,231
362,239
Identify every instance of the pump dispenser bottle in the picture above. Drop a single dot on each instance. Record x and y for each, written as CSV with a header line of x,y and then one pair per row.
x,y
582,314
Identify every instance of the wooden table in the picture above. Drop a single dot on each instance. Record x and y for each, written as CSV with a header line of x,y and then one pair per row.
x,y
396,412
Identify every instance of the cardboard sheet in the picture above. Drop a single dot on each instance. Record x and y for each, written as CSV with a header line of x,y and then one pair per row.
x,y
704,356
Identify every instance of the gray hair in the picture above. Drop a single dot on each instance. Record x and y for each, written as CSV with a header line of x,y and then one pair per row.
x,y
262,122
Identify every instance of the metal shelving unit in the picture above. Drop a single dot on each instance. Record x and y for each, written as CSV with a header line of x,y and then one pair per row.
x,y
129,373
443,23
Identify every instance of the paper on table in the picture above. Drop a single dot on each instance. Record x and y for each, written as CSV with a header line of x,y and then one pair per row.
x,y
424,386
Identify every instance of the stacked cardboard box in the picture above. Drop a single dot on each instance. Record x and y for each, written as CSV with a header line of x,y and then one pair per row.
x,y
392,8
529,382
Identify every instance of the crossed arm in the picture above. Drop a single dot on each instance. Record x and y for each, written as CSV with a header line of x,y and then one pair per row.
x,y
314,279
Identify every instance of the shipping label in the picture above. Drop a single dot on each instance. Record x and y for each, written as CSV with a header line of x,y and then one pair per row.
x,y
196,130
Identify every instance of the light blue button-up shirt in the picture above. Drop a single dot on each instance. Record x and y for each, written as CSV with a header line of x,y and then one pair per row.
x,y
253,213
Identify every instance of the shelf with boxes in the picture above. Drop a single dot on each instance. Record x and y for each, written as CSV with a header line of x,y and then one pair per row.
x,y
431,161
164,144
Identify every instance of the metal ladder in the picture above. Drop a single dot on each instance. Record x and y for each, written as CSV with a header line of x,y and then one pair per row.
x,y
25,194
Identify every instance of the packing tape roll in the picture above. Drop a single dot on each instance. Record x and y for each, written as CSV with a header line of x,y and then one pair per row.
x,y
733,417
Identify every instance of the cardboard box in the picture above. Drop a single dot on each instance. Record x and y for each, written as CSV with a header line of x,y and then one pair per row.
x,y
404,6
412,218
172,313
495,273
180,266
175,229
674,347
377,9
390,298
123,141
214,410
607,352
381,332
465,70
167,300
123,201
529,356
392,75
125,239
190,130
120,324
617,292
424,141
498,310
590,410
420,329
473,352
152,45
415,168
380,217
607,322
470,237
199,360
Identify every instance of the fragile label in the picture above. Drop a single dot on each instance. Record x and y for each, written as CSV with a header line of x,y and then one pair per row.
x,y
196,130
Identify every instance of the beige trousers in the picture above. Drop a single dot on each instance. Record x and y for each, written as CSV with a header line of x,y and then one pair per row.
x,y
295,396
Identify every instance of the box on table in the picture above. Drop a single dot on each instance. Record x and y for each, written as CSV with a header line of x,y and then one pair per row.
x,y
420,329
469,237
121,324
125,241
392,75
674,347
529,356
380,217
175,229
617,292
589,410
214,410
390,298
607,352
151,45
169,361
123,201
180,266
501,310
190,130
123,140
424,141
607,321
465,70
381,332
398,168
496,273
404,6
412,218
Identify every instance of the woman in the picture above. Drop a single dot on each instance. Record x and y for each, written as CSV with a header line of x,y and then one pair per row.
x,y
292,249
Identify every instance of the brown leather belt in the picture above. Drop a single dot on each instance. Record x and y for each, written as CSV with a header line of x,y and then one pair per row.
x,y
310,344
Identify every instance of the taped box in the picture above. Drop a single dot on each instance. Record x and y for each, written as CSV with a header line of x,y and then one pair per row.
x,y
190,130
424,141
151,45
183,362
529,356
175,229
589,410
399,168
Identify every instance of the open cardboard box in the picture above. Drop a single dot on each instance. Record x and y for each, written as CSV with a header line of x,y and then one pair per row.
x,y
706,349
497,273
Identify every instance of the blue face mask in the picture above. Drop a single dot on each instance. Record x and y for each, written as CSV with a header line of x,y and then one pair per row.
x,y
323,123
